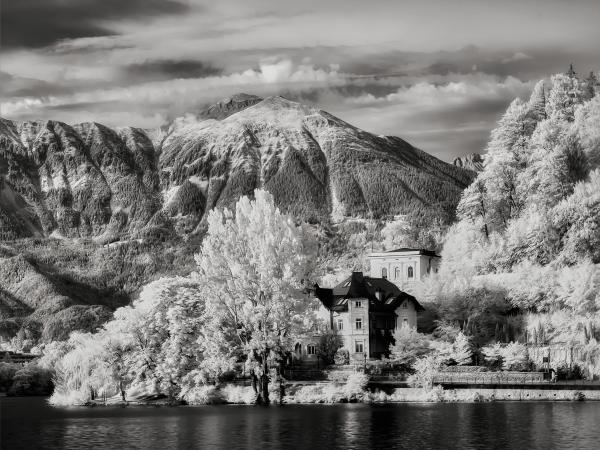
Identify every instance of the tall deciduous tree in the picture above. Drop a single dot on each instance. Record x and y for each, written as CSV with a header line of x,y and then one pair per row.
x,y
252,265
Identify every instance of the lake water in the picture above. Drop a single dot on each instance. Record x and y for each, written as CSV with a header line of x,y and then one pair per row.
x,y
29,423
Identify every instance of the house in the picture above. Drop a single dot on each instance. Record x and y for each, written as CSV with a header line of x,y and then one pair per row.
x,y
404,266
365,311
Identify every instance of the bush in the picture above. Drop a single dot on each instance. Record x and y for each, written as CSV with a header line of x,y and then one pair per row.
x,y
32,380
342,357
204,395
356,385
329,344
7,374
239,394
69,398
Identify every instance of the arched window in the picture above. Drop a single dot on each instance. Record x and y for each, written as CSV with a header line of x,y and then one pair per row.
x,y
384,273
298,348
397,273
411,272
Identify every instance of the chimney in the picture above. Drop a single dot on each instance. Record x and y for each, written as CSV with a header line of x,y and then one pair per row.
x,y
358,276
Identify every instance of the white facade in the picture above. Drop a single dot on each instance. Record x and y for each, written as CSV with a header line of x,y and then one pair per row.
x,y
404,267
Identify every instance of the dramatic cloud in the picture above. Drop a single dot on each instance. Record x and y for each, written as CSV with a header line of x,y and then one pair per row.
x,y
406,68
449,118
37,23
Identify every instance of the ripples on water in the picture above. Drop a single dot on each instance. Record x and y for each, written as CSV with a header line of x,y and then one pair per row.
x,y
29,423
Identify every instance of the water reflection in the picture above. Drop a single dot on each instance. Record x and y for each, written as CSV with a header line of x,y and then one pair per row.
x,y
29,423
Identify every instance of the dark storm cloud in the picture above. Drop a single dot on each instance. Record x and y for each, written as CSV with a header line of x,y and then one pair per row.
x,y
38,23
167,69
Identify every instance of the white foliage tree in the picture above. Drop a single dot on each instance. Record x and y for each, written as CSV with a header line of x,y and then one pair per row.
x,y
462,353
408,346
514,356
493,354
252,265
566,93
397,234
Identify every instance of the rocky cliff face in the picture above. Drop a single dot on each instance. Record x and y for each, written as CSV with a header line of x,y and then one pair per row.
x,y
472,161
88,180
84,180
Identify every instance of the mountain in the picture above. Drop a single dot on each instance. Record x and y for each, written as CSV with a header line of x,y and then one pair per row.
x,y
91,181
472,161
88,213
229,106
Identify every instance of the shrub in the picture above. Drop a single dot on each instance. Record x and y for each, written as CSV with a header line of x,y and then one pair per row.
x,y
69,397
204,395
32,380
356,385
239,394
328,346
7,373
342,357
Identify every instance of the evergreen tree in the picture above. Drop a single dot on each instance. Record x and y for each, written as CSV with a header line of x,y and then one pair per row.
x,y
462,354
590,86
506,156
571,72
566,93
472,204
537,104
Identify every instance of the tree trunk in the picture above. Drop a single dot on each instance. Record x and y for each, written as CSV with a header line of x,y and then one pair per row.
x,y
254,383
263,383
122,390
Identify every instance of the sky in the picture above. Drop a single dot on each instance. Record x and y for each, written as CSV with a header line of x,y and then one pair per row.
x,y
438,73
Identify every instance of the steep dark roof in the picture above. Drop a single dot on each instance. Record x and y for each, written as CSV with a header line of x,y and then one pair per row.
x,y
359,286
421,251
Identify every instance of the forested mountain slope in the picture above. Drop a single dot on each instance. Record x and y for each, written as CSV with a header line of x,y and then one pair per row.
x,y
528,234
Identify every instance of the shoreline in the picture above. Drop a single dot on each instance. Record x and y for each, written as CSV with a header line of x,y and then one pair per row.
x,y
401,395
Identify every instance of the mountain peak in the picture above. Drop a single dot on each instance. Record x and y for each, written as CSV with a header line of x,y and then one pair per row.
x,y
230,105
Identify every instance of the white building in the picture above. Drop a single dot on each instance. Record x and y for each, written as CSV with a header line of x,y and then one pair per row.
x,y
404,266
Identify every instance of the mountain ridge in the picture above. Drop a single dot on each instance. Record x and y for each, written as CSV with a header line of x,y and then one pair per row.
x,y
89,180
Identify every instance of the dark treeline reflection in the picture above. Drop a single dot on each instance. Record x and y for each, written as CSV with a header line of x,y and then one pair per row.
x,y
29,423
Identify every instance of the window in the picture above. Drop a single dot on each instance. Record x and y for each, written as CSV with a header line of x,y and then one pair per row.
x,y
358,324
405,322
384,273
397,273
411,272
311,349
359,347
358,304
298,348
405,305
340,324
